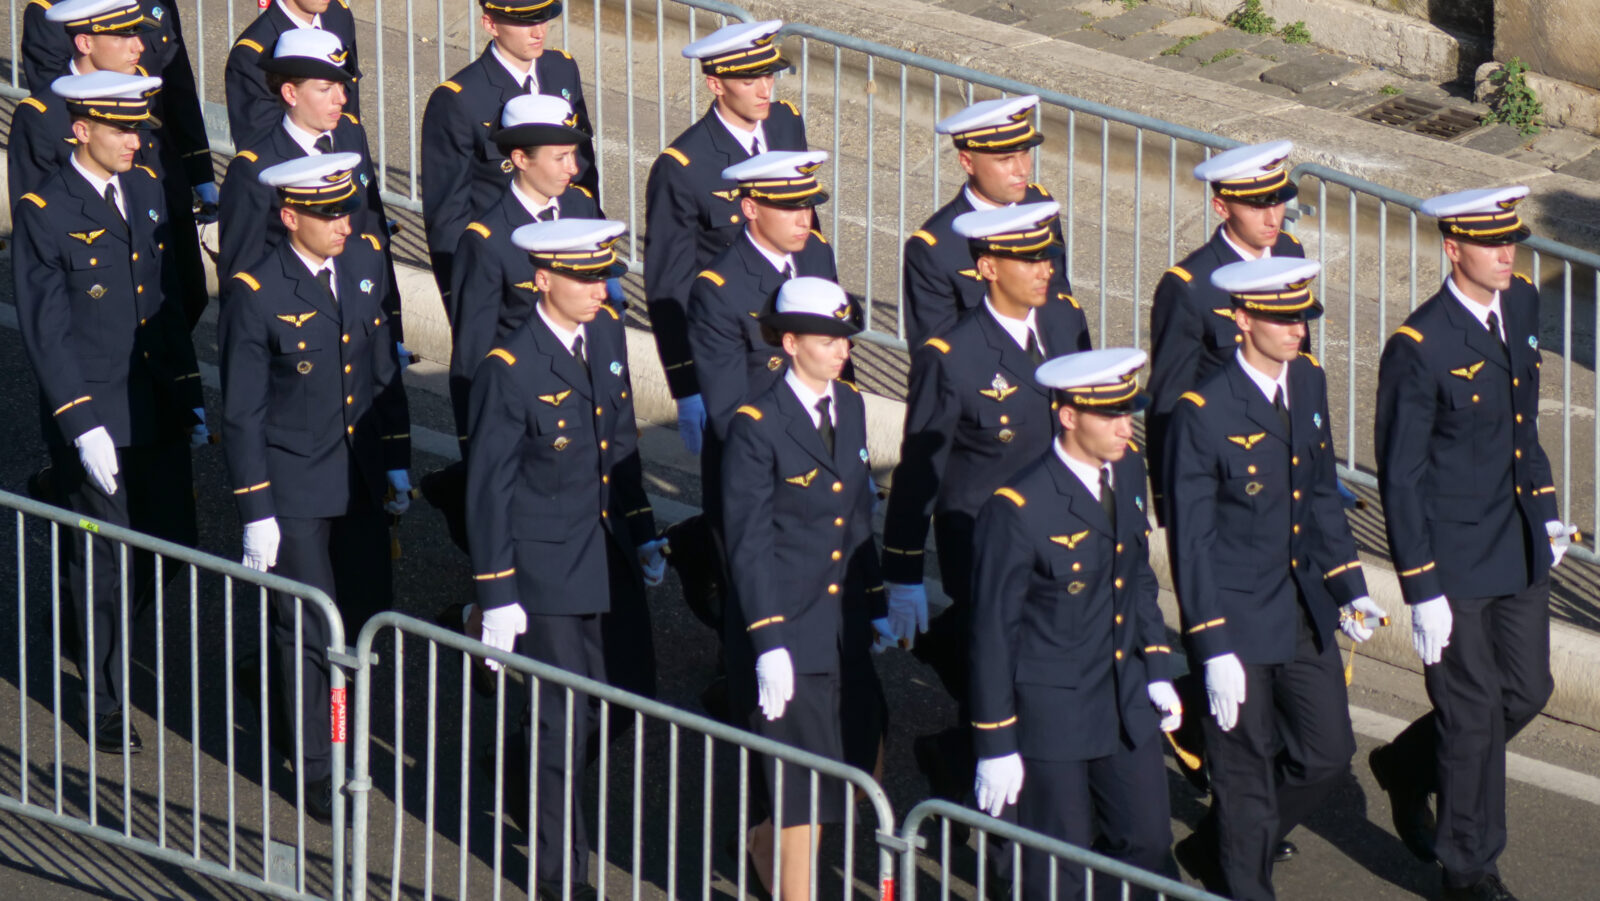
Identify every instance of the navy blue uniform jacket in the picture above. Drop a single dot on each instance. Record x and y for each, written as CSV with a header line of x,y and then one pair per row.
x,y
553,469
799,526
1460,468
1066,634
692,215
941,277
253,110
974,416
99,319
311,388
1258,531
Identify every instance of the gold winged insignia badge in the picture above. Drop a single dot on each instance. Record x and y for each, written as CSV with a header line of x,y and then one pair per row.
x,y
1247,442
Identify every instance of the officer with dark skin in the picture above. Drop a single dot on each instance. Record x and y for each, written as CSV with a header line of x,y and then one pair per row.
x,y
1266,574
994,143
692,211
1070,660
974,416
1474,531
464,172
119,388
316,431
252,103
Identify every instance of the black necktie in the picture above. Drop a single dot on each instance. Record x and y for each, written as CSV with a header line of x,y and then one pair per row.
x,y
577,348
323,143
528,85
111,201
755,146
788,271
825,424
325,276
1035,353
1281,408
548,214
1108,498
1494,329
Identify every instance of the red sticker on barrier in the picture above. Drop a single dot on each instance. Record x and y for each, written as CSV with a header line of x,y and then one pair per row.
x,y
886,889
263,4
336,718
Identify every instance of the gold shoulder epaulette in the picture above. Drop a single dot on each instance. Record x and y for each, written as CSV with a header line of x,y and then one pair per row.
x,y
792,108
750,411
352,118
147,170
1290,237
584,191
502,354
373,240
248,155
675,153
248,279
43,4
938,344
1409,332
1193,398
1182,273
819,236
246,42
1040,189
713,278
35,199
1314,361
926,236
609,309
849,384
479,227
1133,445
34,102
1011,495
455,88
1523,277
1062,295
564,53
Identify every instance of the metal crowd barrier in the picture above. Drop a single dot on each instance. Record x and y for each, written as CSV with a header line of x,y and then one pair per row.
x,y
640,827
163,802
1102,876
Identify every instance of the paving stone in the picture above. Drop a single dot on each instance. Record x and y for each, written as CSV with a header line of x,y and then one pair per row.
x,y
1496,139
1188,25
1241,69
1218,41
1100,9
1005,15
1322,69
964,6
1176,63
1583,167
1056,22
1141,46
1033,8
1276,50
1565,144
1137,20
1272,89
1094,40
1339,98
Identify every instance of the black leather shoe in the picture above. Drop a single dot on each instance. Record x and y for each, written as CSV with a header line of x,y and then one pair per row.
x,y
108,732
319,800
1285,851
1489,888
1413,820
550,890
1197,854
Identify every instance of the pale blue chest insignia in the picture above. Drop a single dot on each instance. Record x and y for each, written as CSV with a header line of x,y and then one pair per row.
x,y
1316,420
1138,501
1533,341
864,455
366,286
363,179
616,368
153,216
566,95
157,12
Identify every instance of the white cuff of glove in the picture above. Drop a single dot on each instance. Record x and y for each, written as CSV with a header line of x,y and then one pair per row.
x,y
1225,689
501,626
1353,615
774,682
98,454
1431,623
1165,699
1561,536
261,540
999,783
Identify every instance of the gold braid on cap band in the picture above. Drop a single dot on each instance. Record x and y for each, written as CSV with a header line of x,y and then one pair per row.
x,y
1119,392
129,16
804,186
1292,299
580,261
1017,131
506,9
341,189
764,53
121,110
1499,224
1254,186
996,243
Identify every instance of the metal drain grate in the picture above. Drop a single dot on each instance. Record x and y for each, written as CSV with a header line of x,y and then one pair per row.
x,y
1423,117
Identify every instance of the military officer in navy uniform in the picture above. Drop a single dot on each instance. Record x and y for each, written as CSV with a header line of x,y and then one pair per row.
x,y
494,285
312,84
1266,574
1192,332
692,210
316,429
557,514
108,344
1070,658
974,417
54,43
463,171
805,568
1470,507
252,104
994,143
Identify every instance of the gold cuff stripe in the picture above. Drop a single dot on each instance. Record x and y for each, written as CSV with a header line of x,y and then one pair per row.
x,y
769,621
1000,725
1406,574
252,488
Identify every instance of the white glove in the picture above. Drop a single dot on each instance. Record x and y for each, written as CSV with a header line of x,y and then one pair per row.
x,y
1352,625
99,457
401,351
653,561
1225,689
692,422
261,544
1560,539
401,483
1430,629
1165,697
999,782
908,611
501,626
774,682
886,637
199,435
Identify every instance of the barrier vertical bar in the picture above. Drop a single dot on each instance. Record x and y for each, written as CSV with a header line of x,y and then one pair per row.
x,y
838,53
161,704
1172,201
672,810
1350,355
431,770
194,707
22,646
499,775
605,796
1072,188
414,128
383,118
1138,224
227,676
627,161
638,800
1566,388
900,212
661,78
1105,174
705,825
872,134
363,749
600,102
91,647
55,650
466,770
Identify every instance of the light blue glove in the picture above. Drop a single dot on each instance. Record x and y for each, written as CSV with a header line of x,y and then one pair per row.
x,y
207,192
692,422
199,435
403,353
400,491
614,290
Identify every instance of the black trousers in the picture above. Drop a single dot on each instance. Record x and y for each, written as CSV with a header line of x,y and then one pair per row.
x,y
1291,745
1116,804
944,646
347,557
1493,679
155,495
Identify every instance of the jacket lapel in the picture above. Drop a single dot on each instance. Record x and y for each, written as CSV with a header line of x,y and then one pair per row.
x,y
849,434
1255,403
801,428
562,362
307,287
1081,503
1013,358
1476,335
95,206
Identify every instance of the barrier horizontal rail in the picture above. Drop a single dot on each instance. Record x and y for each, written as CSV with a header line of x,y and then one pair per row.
x,y
57,791
943,814
688,736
